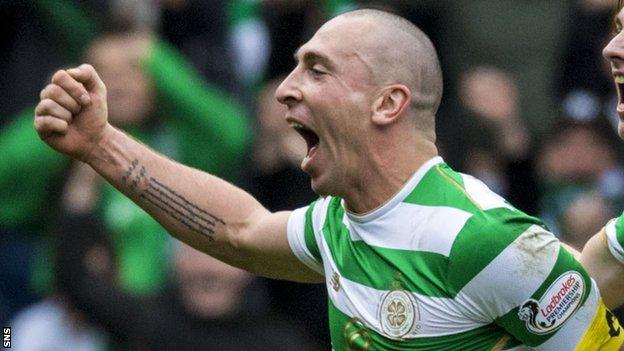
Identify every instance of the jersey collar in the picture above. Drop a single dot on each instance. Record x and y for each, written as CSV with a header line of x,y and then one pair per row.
x,y
411,183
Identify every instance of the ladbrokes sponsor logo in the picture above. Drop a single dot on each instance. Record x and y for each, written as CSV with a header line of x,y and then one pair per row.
x,y
557,304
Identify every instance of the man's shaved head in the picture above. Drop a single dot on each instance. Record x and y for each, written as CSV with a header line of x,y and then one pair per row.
x,y
399,52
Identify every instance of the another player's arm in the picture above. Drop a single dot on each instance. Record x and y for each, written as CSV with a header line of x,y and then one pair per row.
x,y
202,210
599,259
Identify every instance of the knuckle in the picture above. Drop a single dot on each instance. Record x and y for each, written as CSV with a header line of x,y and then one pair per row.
x,y
59,76
46,105
40,108
51,91
39,124
77,90
87,67
43,93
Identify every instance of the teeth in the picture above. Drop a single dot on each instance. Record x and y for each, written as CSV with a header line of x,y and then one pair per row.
x,y
296,125
619,79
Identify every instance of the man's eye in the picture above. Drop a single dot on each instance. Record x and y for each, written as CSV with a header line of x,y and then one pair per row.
x,y
316,72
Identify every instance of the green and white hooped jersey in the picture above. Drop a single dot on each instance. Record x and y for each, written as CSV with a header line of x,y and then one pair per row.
x,y
615,237
446,264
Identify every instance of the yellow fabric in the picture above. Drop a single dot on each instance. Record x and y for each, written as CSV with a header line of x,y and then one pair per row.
x,y
604,333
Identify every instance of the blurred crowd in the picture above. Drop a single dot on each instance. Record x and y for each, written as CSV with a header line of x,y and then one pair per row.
x,y
529,108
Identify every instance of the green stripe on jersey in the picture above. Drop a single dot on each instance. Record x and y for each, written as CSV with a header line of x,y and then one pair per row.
x,y
512,323
619,229
376,267
441,186
308,234
484,236
348,334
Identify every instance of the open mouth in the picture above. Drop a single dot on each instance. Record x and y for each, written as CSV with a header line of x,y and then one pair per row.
x,y
310,137
619,87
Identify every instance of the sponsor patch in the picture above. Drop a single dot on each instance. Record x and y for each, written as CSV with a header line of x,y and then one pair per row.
x,y
397,313
559,302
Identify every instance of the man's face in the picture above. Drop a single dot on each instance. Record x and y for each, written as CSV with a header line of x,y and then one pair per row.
x,y
208,287
328,97
614,52
117,59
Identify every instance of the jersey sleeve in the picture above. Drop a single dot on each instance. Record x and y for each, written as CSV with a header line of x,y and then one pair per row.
x,y
536,290
302,238
615,237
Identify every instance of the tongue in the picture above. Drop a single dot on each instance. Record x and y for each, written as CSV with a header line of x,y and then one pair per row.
x,y
308,157
311,151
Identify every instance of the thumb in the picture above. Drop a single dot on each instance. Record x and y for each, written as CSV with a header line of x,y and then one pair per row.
x,y
87,75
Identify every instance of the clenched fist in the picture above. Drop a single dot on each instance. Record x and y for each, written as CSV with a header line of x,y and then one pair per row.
x,y
72,115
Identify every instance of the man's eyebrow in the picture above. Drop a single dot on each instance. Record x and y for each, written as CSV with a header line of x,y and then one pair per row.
x,y
313,56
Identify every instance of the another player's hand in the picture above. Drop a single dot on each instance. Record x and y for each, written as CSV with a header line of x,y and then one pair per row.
x,y
72,115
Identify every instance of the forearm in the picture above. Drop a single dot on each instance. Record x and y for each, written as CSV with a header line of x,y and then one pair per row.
x,y
195,207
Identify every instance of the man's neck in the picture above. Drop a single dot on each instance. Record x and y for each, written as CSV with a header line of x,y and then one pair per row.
x,y
385,176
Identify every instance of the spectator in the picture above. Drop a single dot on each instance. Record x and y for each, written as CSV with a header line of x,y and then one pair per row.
x,y
500,153
211,306
52,324
521,38
161,101
578,158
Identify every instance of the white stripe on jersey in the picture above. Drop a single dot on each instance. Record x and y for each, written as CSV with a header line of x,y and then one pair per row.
x,y
444,316
439,316
522,267
437,227
614,245
482,195
296,240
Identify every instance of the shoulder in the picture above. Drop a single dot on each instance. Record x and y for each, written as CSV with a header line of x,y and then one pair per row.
x,y
441,186
502,242
312,217
496,237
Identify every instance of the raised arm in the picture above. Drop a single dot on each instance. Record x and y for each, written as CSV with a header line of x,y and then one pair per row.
x,y
195,207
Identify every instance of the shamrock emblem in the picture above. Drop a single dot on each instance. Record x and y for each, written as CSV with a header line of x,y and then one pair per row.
x,y
396,313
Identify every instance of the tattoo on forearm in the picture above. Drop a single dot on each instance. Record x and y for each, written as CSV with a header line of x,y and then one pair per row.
x,y
169,201
134,175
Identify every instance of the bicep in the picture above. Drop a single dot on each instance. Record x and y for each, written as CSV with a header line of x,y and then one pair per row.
x,y
605,269
270,253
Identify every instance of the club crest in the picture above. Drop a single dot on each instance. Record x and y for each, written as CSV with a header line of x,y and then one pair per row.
x,y
397,313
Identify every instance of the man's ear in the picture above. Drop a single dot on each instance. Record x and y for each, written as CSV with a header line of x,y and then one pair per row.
x,y
390,104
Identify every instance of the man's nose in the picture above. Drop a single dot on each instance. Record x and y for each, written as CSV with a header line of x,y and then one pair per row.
x,y
288,91
615,48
